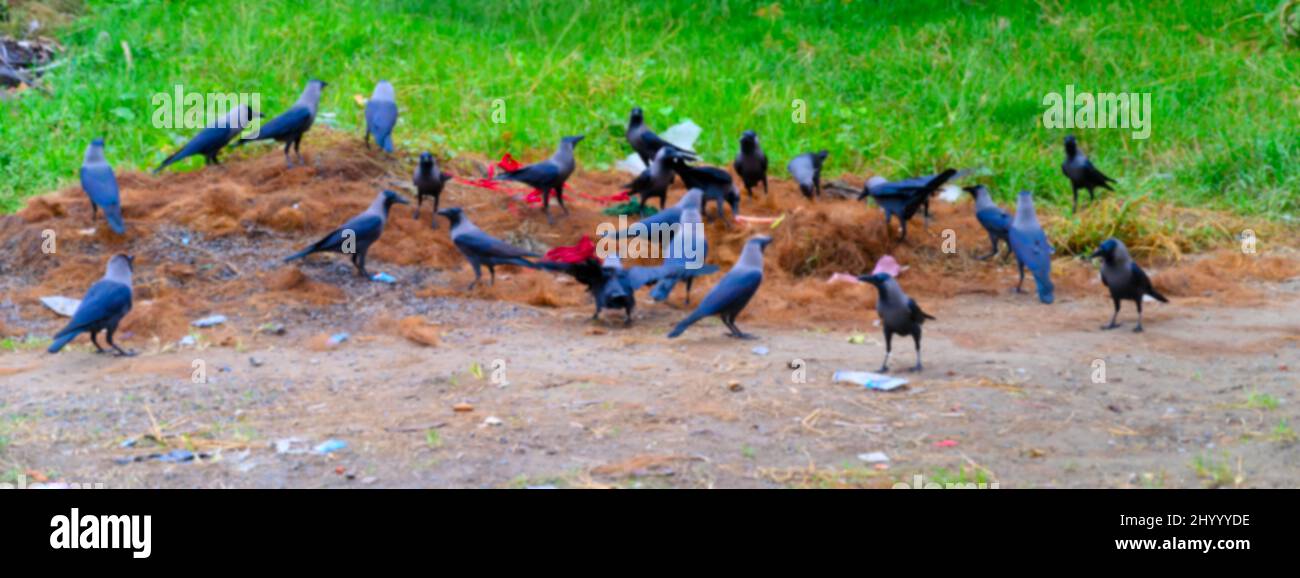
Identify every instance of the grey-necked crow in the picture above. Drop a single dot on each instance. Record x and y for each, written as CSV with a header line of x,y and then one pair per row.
x,y
103,307
356,235
1124,279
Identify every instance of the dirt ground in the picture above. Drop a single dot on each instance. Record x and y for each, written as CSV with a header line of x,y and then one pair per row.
x,y
514,386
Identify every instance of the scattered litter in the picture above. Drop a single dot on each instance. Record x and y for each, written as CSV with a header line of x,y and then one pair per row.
x,y
272,328
369,480
492,420
384,278
290,446
255,362
188,341
128,443
950,193
172,457
330,446
870,380
462,407
62,305
945,444
887,264
760,350
541,487
209,321
873,457
338,338
476,370
843,278
858,338
734,385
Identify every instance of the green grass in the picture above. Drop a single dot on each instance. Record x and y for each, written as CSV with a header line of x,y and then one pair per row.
x,y
891,87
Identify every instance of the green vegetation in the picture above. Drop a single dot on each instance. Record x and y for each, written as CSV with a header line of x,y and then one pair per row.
x,y
893,87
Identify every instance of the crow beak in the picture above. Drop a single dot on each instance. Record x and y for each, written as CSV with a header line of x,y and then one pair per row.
x,y
401,200
1095,254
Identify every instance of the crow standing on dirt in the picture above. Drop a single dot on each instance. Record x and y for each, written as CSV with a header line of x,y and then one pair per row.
x,y
1029,243
549,175
643,140
675,264
100,184
481,249
1124,279
103,307
899,314
356,235
996,221
656,178
904,198
691,200
212,139
806,169
611,286
381,116
714,183
730,296
429,182
1081,172
289,127
751,163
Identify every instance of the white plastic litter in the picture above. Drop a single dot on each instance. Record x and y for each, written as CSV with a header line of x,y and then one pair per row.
x,y
62,305
870,380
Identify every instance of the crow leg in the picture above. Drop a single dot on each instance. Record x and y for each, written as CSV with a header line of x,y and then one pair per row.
x,y
492,272
546,206
361,263
1138,329
559,198
297,149
916,337
689,281
1113,324
478,275
287,161
992,252
437,200
419,203
94,338
730,322
1076,199
628,321
109,338
765,193
889,348
1022,279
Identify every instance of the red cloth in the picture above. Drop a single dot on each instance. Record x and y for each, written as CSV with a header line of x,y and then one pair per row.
x,y
584,250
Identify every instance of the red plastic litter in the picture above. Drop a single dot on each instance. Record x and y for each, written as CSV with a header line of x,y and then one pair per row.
x,y
578,253
945,444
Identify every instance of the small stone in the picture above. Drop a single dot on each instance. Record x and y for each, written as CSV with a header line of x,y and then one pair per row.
x,y
734,385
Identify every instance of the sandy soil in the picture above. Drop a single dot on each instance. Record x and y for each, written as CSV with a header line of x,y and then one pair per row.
x,y
1205,397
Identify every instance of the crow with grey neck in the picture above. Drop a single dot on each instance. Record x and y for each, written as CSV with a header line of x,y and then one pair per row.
x,y
656,178
904,198
103,307
899,314
643,140
806,169
1081,173
289,127
715,184
429,182
549,175
996,221
381,116
1125,279
481,249
356,235
751,163
100,184
690,236
209,142
1029,243
730,296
